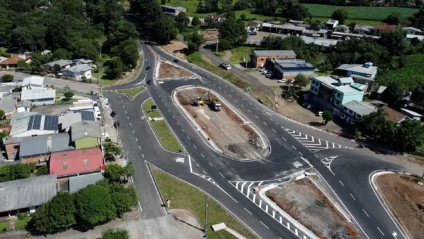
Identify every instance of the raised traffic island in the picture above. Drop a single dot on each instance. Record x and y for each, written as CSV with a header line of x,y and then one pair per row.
x,y
225,129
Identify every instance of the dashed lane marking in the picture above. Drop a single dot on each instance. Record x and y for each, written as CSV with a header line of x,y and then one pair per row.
x,y
264,225
202,155
352,196
341,183
294,147
139,147
136,139
248,211
274,130
194,146
221,175
365,212
211,165
380,231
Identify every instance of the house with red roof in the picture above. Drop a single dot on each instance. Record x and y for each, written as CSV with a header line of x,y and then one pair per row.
x,y
384,28
76,162
12,62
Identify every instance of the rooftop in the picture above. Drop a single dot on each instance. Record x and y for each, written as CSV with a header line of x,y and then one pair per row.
x,y
7,104
69,119
176,8
45,144
275,53
389,28
293,65
14,60
85,129
77,69
411,28
76,161
360,108
34,122
38,93
393,115
21,115
33,80
347,89
359,68
411,113
79,182
27,192
61,63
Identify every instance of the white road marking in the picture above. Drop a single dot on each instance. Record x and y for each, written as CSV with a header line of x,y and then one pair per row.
x,y
169,111
264,123
248,211
202,155
130,124
139,206
142,155
133,132
380,231
194,146
353,197
294,147
266,208
139,147
284,138
182,130
274,130
197,165
188,138
211,165
300,153
221,175
256,116
264,225
123,106
242,105
136,139
126,112
177,122
249,110
365,213
341,183
204,172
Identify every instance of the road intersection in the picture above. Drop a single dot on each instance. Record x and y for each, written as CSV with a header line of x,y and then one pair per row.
x,y
294,147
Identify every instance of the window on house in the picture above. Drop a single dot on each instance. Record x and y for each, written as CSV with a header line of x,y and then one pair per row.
x,y
65,165
338,102
85,162
15,146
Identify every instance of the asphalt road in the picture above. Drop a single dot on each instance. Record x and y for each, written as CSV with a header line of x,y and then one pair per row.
x,y
348,174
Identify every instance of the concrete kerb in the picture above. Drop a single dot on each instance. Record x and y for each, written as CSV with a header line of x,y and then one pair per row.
x,y
372,179
290,219
253,99
167,124
204,135
210,196
156,185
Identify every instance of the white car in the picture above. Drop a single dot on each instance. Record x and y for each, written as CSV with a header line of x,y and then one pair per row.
x,y
282,81
226,66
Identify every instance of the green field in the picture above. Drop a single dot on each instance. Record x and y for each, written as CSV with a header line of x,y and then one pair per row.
x,y
356,12
241,53
166,137
132,92
184,196
408,77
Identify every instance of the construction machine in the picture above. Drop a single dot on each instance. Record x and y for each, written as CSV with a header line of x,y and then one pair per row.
x,y
206,99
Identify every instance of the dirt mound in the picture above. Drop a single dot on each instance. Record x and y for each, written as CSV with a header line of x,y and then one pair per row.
x,y
168,71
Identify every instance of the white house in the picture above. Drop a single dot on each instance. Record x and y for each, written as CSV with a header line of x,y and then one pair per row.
x,y
331,24
49,67
411,30
409,37
78,71
33,82
39,96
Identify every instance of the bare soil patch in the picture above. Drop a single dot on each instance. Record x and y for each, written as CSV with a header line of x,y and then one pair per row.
x,y
406,200
303,201
210,36
168,71
176,48
226,129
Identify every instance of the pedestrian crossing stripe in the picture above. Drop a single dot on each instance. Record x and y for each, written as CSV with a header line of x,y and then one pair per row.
x,y
312,143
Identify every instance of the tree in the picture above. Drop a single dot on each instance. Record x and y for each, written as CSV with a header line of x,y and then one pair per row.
x,y
7,78
243,17
68,95
110,150
94,205
22,65
182,21
393,94
301,81
2,114
128,52
327,116
393,19
194,41
114,172
418,96
165,30
123,200
340,15
373,124
163,2
85,49
114,70
61,54
233,30
57,68
224,44
147,12
42,170
394,42
118,233
195,22
409,135
55,215
418,19
125,30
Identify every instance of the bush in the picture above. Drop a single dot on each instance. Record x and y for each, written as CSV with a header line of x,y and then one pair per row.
x,y
21,216
7,78
43,170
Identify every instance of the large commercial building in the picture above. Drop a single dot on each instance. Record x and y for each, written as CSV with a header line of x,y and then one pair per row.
x,y
260,57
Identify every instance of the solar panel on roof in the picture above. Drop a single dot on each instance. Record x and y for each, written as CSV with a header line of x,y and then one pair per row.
x,y
87,115
37,122
51,122
31,120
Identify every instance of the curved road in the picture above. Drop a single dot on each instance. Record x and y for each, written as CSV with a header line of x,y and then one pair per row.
x,y
346,170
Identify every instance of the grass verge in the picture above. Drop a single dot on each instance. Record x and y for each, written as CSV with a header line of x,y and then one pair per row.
x,y
163,132
20,224
197,59
63,101
132,92
187,197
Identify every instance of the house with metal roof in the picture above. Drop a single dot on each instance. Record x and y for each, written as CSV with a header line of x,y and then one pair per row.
x,y
81,181
354,110
67,120
289,69
172,11
333,93
259,57
37,149
34,125
362,74
26,194
63,64
77,72
32,82
8,105
76,162
39,96
412,30
86,134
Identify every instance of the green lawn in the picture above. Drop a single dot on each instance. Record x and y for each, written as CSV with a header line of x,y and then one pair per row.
x,y
133,91
20,224
162,131
64,101
239,53
187,197
357,12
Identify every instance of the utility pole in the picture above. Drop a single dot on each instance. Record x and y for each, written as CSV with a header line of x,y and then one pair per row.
x,y
217,41
206,213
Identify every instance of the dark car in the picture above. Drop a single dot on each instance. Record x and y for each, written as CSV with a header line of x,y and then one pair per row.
x,y
149,82
176,60
148,68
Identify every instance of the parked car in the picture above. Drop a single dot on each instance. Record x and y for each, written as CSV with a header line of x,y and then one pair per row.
x,y
282,81
226,66
268,74
319,113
